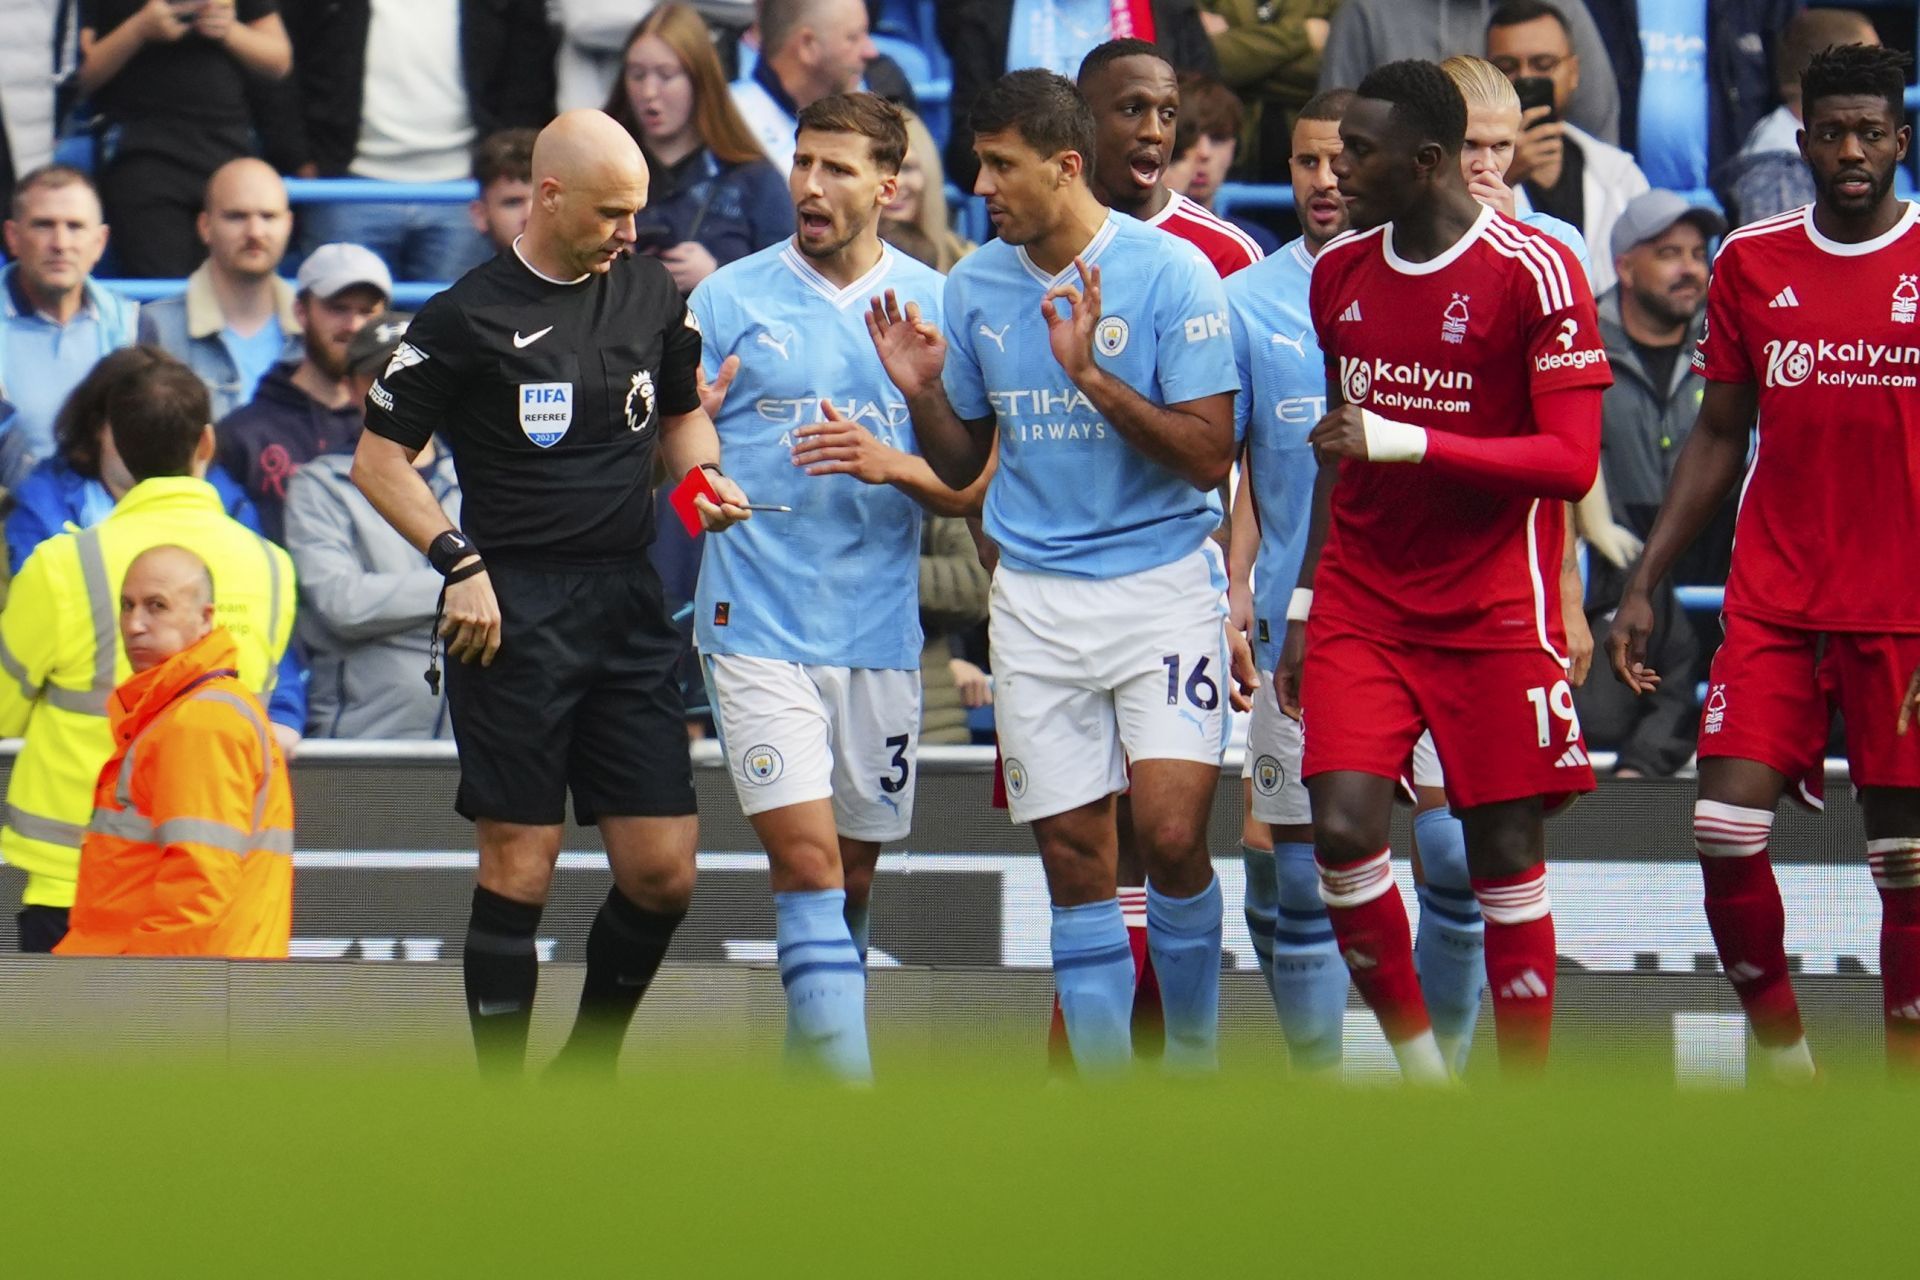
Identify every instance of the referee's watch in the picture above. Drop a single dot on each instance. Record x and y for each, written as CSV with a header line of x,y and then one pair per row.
x,y
449,549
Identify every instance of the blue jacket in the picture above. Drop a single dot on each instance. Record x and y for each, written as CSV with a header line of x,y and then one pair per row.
x,y
731,210
54,498
188,326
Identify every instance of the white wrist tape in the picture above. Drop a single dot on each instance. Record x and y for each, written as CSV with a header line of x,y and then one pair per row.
x,y
1390,441
1299,604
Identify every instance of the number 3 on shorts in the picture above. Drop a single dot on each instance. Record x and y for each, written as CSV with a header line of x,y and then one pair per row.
x,y
1558,701
1200,689
902,770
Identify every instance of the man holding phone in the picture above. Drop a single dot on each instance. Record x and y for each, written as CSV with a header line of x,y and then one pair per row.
x,y
1558,168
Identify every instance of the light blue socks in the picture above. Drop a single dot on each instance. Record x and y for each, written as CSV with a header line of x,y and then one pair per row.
x,y
1450,947
1183,936
1309,977
826,984
1093,972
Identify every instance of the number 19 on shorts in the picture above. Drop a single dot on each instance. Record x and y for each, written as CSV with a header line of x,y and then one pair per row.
x,y
1550,704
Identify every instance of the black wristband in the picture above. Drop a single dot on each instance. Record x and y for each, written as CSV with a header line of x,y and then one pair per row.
x,y
448,550
472,569
713,467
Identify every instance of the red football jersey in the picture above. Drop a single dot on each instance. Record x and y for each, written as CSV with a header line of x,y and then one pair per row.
x,y
1226,246
1459,344
1829,526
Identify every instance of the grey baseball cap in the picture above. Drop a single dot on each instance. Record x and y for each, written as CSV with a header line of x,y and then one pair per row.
x,y
334,267
1649,215
376,342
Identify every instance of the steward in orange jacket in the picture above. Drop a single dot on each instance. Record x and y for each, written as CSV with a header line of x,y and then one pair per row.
x,y
190,851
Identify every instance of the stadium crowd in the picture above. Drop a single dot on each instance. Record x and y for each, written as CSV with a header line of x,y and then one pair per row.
x,y
153,139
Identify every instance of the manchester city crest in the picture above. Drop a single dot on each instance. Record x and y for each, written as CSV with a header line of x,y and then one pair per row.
x,y
1016,779
762,764
1266,775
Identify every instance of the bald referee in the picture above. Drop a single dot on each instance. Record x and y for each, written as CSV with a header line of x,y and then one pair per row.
x,y
555,373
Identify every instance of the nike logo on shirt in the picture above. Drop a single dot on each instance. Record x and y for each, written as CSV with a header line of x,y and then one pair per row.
x,y
531,338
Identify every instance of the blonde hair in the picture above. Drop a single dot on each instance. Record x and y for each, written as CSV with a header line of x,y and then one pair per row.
x,y
1481,83
935,221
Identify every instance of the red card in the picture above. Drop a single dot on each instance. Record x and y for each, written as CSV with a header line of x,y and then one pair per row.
x,y
693,485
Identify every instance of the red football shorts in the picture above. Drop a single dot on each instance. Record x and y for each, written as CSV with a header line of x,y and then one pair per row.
x,y
1773,690
1503,721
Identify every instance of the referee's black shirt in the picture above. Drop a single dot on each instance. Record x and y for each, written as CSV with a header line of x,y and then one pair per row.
x,y
550,395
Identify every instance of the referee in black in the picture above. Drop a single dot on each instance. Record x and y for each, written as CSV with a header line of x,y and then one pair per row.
x,y
555,373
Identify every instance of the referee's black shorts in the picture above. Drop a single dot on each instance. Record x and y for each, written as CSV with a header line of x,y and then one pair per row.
x,y
581,697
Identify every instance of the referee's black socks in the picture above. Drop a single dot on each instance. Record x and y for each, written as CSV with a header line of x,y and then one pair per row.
x,y
624,950
501,972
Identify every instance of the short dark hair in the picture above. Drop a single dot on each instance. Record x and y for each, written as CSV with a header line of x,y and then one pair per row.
x,y
1514,12
51,177
1045,109
1207,109
1850,70
76,428
1101,56
1326,105
1425,101
880,122
158,417
506,154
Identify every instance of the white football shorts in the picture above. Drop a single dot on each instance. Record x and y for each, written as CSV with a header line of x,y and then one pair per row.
x,y
1090,673
793,733
1275,745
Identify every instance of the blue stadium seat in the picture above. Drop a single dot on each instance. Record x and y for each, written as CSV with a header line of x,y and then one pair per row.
x,y
933,91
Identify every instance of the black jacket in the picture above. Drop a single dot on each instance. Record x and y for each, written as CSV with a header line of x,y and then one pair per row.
x,y
975,35
506,48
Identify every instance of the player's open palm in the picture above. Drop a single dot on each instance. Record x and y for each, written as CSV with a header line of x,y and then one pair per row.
x,y
1071,336
911,348
470,620
1627,643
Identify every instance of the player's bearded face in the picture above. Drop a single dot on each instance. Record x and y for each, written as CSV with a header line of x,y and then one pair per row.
x,y
1020,185
838,191
1853,145
1316,192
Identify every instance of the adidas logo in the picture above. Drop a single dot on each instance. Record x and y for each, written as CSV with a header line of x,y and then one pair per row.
x,y
1573,758
1742,971
1527,986
1352,312
1785,298
1907,1012
1358,959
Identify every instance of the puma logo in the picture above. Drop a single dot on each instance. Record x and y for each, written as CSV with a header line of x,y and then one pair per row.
x,y
1298,344
999,339
768,340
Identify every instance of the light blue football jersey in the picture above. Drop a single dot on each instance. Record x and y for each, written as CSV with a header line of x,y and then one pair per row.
x,y
1283,392
835,582
1071,496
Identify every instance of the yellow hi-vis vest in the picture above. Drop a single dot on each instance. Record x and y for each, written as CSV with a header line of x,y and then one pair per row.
x,y
61,656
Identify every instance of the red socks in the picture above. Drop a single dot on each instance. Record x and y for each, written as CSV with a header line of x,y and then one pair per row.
x,y
1370,923
1520,964
1748,921
1896,873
